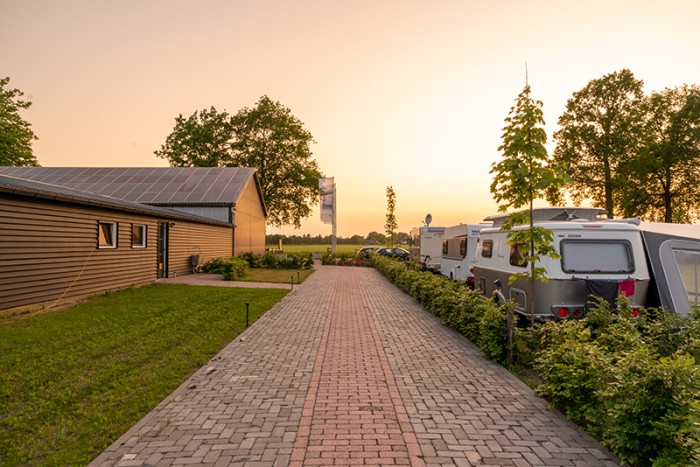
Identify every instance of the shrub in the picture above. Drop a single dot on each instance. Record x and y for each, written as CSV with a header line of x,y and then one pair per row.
x,y
234,268
214,266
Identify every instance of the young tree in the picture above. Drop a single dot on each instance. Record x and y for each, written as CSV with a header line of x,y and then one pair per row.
x,y
599,132
268,138
390,226
522,175
16,134
201,140
662,178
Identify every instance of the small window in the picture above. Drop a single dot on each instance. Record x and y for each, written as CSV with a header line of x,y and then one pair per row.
x,y
487,248
138,236
463,247
106,235
444,247
517,255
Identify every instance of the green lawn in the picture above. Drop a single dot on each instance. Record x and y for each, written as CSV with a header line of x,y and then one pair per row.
x,y
276,275
72,381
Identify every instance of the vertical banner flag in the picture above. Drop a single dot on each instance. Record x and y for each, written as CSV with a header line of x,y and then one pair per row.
x,y
326,187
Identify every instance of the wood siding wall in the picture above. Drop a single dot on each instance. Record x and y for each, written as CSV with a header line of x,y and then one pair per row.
x,y
189,239
250,222
48,250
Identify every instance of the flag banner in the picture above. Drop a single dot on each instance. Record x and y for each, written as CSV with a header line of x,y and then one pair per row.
x,y
326,187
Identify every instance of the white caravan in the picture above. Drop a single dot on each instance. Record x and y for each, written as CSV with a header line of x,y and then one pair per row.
x,y
599,257
425,245
458,251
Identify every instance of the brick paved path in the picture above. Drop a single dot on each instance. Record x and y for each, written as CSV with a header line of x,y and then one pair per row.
x,y
348,370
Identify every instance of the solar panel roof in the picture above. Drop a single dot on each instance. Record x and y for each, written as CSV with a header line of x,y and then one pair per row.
x,y
158,186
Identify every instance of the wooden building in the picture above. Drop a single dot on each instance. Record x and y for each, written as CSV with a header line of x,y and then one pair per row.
x,y
59,244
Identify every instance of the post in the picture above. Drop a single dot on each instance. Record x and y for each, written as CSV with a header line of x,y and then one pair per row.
x,y
247,306
298,277
510,325
334,240
292,288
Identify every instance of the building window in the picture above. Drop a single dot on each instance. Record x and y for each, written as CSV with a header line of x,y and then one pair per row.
x,y
138,236
486,248
106,235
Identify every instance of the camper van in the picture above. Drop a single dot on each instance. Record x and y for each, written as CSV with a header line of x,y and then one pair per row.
x,y
458,250
673,251
599,257
425,245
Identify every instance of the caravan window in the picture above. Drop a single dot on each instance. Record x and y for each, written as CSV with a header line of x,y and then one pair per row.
x,y
444,247
518,256
463,247
596,256
487,248
689,267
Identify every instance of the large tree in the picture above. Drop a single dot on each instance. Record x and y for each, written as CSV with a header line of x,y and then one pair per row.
x,y
662,180
599,132
523,175
16,134
200,140
266,137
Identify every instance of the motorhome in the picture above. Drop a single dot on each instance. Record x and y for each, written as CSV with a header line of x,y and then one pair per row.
x,y
458,251
425,244
673,251
599,257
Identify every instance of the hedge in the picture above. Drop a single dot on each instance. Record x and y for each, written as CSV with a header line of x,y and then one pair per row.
x,y
634,383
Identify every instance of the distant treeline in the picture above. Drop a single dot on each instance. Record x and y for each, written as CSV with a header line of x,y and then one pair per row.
x,y
373,238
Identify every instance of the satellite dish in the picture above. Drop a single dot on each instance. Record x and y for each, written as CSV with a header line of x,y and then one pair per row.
x,y
428,219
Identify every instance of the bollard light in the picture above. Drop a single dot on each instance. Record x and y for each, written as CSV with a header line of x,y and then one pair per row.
x,y
247,308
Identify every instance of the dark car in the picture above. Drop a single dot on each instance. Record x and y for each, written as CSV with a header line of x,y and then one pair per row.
x,y
367,250
398,253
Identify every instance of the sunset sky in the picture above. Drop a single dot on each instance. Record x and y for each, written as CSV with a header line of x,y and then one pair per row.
x,y
411,94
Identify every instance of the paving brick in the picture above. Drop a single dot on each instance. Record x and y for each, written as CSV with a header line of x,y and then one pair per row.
x,y
348,370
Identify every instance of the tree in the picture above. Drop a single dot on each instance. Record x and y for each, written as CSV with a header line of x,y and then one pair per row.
x,y
16,134
268,138
375,238
522,175
201,140
599,132
390,226
662,178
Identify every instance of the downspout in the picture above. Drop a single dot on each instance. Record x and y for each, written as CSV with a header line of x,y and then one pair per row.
x,y
233,230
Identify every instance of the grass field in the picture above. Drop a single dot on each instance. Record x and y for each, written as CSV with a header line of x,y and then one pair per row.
x,y
276,275
297,249
72,381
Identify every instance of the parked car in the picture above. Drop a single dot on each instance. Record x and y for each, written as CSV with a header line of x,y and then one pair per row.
x,y
367,250
398,253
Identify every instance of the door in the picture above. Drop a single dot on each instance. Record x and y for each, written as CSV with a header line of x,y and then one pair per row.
x,y
162,250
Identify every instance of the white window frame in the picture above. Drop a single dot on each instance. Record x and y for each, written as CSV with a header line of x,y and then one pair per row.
x,y
114,233
144,236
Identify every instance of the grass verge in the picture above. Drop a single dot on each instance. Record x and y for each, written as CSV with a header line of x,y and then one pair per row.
x,y
72,381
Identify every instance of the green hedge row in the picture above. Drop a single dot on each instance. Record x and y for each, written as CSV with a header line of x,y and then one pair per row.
x,y
634,383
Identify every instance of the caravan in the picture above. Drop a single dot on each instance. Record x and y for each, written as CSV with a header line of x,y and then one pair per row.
x,y
673,251
425,245
598,256
458,251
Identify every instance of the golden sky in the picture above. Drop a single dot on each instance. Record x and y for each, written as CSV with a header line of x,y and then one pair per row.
x,y
411,94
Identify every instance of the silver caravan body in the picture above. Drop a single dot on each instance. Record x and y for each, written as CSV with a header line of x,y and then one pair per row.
x,y
426,246
673,251
598,256
458,251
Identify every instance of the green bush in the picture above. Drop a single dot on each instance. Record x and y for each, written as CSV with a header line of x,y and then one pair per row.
x,y
234,268
272,261
214,266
